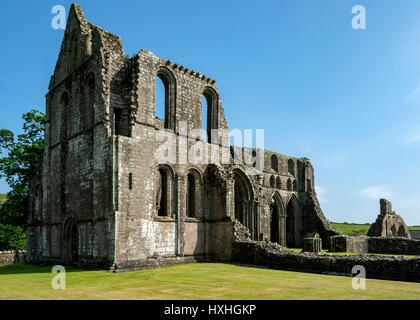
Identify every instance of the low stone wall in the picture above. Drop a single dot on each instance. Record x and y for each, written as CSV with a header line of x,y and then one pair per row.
x,y
377,267
342,243
312,245
363,244
394,246
11,257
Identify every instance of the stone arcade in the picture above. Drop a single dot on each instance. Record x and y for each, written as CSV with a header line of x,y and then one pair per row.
x,y
103,200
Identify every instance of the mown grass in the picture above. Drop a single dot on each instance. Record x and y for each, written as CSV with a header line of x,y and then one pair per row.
x,y
195,281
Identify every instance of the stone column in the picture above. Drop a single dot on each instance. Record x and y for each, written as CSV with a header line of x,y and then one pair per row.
x,y
282,230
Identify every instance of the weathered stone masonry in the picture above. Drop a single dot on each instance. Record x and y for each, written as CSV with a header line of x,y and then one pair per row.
x,y
105,199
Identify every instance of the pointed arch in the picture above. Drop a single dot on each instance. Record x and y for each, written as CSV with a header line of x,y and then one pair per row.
x,y
89,100
294,185
70,242
165,191
73,53
244,207
291,167
194,194
274,163
64,110
289,184
272,182
278,183
293,223
277,219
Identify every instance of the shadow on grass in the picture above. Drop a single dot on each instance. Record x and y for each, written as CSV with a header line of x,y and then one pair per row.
x,y
21,268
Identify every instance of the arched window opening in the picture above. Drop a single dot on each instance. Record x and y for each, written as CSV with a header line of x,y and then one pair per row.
x,y
121,122
90,100
71,241
165,98
274,163
165,192
160,99
64,103
294,185
73,55
254,158
393,231
204,119
278,183
244,208
274,222
162,193
239,202
289,185
291,167
191,209
272,182
210,110
401,232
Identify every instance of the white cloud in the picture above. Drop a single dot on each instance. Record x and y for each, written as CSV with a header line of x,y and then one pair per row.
x,y
376,192
414,94
413,139
321,193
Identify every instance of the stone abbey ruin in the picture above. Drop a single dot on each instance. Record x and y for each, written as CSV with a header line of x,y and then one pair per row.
x,y
104,199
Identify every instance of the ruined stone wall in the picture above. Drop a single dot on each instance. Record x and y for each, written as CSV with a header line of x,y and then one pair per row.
x,y
388,223
103,153
342,243
377,267
142,234
77,162
12,257
363,244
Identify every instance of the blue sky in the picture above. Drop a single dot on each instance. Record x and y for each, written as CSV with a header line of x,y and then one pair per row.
x,y
347,99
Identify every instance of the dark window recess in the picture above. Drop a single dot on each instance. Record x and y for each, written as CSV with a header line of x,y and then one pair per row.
x,y
309,184
130,181
121,123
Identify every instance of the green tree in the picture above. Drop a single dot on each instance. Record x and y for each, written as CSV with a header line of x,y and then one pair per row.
x,y
23,154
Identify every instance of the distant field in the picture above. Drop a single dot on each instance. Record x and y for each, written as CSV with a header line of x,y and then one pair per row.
x,y
353,229
194,282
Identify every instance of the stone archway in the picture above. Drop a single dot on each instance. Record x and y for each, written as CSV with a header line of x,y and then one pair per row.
x,y
70,241
244,208
277,220
293,224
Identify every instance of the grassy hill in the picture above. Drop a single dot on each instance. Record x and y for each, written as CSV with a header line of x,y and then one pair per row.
x,y
194,282
351,228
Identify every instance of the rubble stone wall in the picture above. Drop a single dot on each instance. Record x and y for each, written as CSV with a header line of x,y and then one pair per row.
x,y
377,267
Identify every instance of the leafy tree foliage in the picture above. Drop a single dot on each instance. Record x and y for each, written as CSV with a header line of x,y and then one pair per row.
x,y
21,160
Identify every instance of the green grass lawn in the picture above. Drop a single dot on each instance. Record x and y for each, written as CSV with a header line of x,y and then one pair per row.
x,y
194,281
